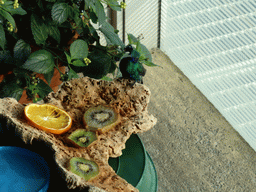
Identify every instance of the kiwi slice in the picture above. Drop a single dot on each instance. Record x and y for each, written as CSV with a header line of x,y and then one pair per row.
x,y
101,118
84,168
82,138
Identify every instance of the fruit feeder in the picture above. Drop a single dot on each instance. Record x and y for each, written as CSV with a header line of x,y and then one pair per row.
x,y
96,122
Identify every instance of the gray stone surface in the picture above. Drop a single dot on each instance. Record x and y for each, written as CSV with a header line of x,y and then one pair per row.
x,y
192,145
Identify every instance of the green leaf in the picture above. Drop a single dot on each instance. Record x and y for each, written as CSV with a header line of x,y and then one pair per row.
x,y
79,49
6,58
142,57
78,63
93,17
149,63
50,0
135,54
100,11
94,33
87,3
11,89
106,78
68,57
77,18
44,89
72,12
99,66
17,11
2,37
132,39
39,30
88,35
21,50
92,5
112,67
142,49
54,32
7,16
40,5
72,74
60,12
20,73
110,35
48,76
138,46
145,53
114,5
40,61
6,3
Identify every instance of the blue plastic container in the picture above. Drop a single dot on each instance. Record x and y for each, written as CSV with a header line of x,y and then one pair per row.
x,y
22,170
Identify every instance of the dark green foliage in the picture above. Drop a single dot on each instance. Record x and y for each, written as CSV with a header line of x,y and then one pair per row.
x,y
21,50
11,87
35,36
113,67
145,55
99,67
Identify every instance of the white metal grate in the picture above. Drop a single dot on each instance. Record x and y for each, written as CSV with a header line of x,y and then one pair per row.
x,y
214,43
139,21
141,17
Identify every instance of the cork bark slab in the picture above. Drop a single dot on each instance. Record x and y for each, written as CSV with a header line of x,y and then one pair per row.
x,y
75,97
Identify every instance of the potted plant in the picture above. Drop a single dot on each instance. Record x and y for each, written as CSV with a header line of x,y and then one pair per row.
x,y
40,39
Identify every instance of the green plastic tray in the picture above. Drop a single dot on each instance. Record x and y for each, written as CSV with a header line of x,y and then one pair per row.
x,y
136,166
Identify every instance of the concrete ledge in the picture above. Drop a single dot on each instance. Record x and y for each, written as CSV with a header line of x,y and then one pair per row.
x,y
192,145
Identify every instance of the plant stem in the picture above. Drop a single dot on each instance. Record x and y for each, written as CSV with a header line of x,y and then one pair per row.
x,y
58,67
56,55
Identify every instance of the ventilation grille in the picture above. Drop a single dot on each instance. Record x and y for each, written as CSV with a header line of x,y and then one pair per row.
x,y
214,43
141,17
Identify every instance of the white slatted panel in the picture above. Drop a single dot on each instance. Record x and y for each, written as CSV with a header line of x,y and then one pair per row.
x,y
214,43
141,17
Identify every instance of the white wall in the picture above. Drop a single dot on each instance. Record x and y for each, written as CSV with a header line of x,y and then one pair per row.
x,y
214,43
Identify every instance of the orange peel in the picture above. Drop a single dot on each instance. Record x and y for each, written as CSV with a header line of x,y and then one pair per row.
x,y
48,117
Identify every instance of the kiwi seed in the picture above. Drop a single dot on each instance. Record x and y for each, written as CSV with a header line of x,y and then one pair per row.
x,y
82,138
101,118
84,168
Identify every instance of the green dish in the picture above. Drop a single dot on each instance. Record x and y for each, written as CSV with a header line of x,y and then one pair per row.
x,y
136,166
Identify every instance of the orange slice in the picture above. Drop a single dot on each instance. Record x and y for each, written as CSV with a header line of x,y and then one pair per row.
x,y
48,118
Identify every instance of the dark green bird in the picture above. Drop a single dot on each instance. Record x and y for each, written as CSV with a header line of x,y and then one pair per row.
x,y
131,68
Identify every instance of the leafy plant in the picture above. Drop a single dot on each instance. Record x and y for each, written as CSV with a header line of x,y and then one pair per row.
x,y
39,36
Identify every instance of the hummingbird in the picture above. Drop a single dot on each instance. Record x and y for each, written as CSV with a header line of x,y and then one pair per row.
x,y
130,66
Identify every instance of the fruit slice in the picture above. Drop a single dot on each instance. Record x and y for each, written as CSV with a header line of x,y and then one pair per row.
x,y
82,138
101,118
84,168
48,118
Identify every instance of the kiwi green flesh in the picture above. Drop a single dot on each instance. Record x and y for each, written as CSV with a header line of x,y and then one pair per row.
x,y
84,168
100,117
82,137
